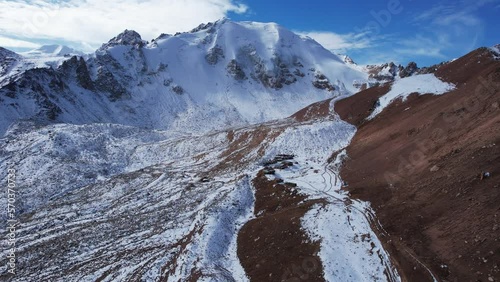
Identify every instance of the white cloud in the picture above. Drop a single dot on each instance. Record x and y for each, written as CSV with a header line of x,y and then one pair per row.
x,y
93,22
422,51
339,42
15,43
458,13
447,28
424,46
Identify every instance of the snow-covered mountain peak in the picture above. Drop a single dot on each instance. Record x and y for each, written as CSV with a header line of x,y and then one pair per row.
x,y
54,50
210,26
219,75
6,53
127,37
348,60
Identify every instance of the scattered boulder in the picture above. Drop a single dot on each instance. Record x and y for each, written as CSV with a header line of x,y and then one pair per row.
x,y
162,67
178,90
279,158
269,170
484,175
167,82
285,165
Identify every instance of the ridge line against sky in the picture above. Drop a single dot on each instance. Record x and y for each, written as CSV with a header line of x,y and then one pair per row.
x,y
370,32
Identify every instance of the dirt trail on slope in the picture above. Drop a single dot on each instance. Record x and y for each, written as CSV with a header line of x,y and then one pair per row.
x,y
273,246
430,168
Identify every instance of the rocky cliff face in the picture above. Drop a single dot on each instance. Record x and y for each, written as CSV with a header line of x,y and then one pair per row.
x,y
8,60
390,71
217,70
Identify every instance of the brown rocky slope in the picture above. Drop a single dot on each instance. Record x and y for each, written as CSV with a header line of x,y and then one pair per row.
x,y
424,166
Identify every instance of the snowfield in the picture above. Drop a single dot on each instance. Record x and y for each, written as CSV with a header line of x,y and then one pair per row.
x,y
119,203
402,88
350,250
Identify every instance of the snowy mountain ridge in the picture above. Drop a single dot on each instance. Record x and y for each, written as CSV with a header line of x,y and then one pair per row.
x,y
231,73
54,50
13,65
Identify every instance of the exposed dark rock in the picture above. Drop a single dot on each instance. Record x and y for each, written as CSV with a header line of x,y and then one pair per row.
x,y
234,69
207,26
167,82
214,55
297,72
431,69
410,69
178,89
56,84
375,71
277,77
322,82
83,76
349,60
297,63
162,67
106,82
7,60
127,37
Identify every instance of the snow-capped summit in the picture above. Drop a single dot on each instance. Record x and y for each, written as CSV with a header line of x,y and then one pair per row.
x,y
127,37
348,60
218,75
390,71
52,51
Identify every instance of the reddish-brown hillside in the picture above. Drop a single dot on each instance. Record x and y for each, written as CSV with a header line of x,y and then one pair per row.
x,y
424,166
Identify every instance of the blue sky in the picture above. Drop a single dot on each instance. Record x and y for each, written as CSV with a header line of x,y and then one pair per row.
x,y
427,32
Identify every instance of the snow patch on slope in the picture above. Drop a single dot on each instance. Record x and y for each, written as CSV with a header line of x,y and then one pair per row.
x,y
312,141
496,51
349,249
421,84
215,250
